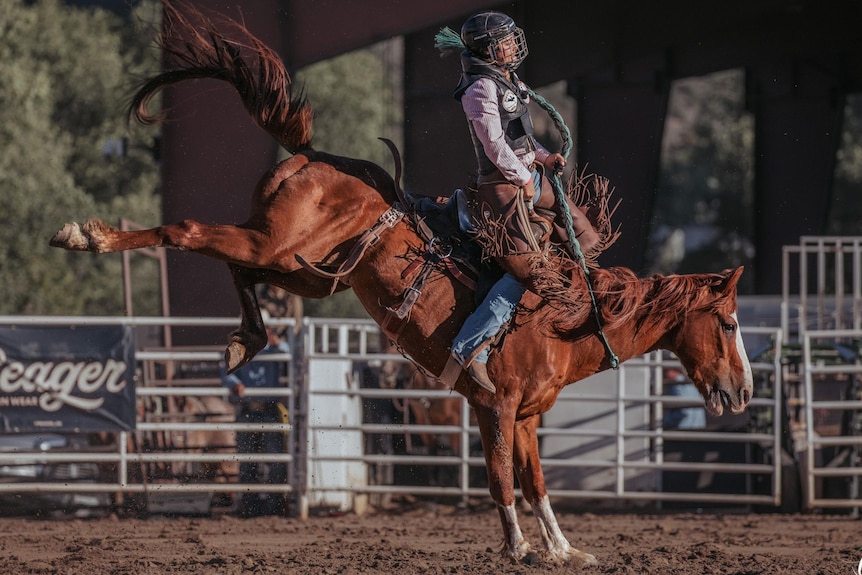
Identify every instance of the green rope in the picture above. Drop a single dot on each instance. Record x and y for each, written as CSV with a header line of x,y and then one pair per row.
x,y
448,41
574,244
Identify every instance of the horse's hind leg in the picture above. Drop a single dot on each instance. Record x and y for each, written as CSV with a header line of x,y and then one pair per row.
x,y
228,243
236,245
250,337
98,236
532,480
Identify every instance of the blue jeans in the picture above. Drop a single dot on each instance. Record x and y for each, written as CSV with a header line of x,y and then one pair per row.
x,y
494,311
487,320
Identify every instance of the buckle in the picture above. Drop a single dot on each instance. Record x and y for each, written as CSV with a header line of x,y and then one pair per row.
x,y
391,216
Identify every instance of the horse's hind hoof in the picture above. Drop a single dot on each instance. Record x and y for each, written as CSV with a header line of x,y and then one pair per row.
x,y
234,356
71,237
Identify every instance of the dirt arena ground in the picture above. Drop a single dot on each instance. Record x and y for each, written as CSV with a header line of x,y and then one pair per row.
x,y
428,540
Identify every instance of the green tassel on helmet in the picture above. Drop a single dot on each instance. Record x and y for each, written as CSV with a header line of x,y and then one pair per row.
x,y
448,41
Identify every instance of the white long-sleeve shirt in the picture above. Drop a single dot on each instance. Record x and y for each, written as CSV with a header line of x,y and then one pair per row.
x,y
482,109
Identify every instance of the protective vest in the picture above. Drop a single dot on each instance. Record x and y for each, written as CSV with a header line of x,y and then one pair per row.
x,y
512,98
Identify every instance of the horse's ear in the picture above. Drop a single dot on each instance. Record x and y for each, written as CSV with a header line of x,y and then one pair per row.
x,y
729,281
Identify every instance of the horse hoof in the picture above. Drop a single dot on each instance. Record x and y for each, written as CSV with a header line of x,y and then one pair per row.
x,y
71,237
234,356
587,559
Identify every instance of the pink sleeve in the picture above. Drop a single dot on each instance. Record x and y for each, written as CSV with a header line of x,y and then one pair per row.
x,y
482,109
541,153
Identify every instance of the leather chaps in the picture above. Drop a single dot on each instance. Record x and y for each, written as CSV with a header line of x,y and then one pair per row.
x,y
520,234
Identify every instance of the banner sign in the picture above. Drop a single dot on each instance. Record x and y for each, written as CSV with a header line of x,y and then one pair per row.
x,y
75,379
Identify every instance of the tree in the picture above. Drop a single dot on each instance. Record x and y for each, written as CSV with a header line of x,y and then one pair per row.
x,y
353,96
846,209
66,153
706,182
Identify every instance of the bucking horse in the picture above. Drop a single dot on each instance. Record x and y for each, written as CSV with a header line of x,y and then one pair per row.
x,y
320,223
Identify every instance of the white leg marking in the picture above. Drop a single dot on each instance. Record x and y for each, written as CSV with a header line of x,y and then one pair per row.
x,y
517,546
552,536
555,542
71,237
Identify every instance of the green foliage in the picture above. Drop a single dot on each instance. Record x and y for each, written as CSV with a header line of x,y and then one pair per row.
x,y
67,153
707,172
705,196
846,209
65,80
342,304
351,96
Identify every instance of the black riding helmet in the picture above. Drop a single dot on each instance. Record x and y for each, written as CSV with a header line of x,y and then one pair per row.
x,y
483,33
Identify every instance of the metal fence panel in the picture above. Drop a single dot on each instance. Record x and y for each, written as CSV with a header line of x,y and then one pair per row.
x,y
822,315
620,456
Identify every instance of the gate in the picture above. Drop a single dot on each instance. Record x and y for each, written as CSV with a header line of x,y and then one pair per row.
x,y
822,311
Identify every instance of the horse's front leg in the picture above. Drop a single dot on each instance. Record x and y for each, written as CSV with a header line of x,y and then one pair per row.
x,y
250,338
532,480
496,425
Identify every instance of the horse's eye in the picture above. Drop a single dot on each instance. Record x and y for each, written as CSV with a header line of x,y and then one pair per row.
x,y
728,328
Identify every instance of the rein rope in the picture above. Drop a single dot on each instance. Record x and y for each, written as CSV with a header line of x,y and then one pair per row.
x,y
574,244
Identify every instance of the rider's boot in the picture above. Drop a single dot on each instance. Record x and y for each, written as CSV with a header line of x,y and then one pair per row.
x,y
478,371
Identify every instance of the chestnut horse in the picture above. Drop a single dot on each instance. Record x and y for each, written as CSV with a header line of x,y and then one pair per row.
x,y
315,207
437,411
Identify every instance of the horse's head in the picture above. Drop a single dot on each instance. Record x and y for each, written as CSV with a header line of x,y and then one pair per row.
x,y
709,345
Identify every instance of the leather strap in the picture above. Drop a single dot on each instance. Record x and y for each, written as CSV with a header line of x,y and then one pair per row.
x,y
370,237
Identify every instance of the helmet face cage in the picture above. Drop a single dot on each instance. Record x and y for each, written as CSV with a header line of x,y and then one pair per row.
x,y
493,36
509,51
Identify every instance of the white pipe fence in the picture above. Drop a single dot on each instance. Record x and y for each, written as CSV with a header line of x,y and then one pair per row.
x,y
822,313
621,459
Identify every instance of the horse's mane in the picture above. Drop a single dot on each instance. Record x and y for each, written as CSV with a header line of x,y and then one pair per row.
x,y
624,298
264,85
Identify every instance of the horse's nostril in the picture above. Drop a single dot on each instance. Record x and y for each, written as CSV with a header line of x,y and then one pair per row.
x,y
745,395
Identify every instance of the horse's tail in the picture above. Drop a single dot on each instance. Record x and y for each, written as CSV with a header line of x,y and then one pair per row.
x,y
203,51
